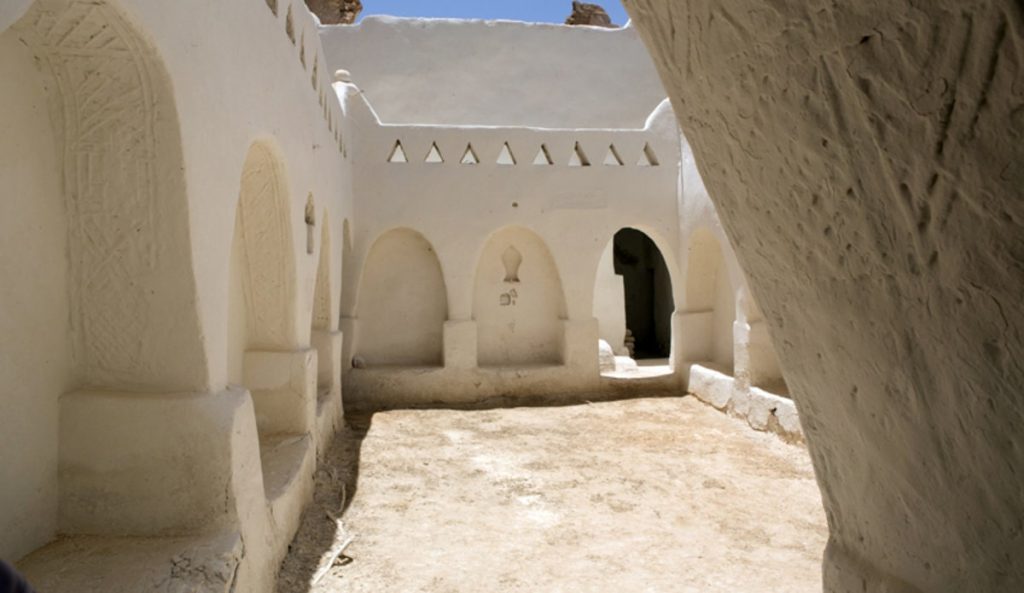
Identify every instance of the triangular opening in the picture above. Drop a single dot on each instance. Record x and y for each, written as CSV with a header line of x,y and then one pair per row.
x,y
612,158
578,158
398,154
543,157
506,157
648,158
434,156
469,157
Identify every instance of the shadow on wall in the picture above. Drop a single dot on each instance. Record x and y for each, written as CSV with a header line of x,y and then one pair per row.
x,y
647,289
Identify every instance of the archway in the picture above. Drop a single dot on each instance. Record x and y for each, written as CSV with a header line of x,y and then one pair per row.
x,y
264,354
402,303
518,303
710,301
647,288
633,305
262,289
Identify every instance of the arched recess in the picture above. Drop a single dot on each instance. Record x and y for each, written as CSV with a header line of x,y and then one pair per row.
x,y
518,302
99,287
262,289
633,291
134,321
402,303
710,301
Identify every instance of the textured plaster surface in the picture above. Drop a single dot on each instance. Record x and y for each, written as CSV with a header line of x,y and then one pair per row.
x,y
661,495
866,160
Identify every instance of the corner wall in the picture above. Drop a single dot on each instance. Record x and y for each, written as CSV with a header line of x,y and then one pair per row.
x,y
36,361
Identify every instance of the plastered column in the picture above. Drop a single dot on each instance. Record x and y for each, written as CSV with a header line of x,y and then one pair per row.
x,y
329,406
460,344
349,327
691,334
328,346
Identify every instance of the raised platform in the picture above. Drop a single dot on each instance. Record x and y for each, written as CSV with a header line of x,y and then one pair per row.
x,y
761,409
395,386
97,564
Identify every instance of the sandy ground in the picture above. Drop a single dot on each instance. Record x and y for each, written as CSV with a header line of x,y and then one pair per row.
x,y
646,495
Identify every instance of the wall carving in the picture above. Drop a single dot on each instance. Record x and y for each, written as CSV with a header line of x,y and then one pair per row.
x,y
269,277
127,210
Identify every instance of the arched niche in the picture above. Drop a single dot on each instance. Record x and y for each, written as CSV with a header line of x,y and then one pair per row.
x,y
518,302
262,280
402,303
134,321
710,301
633,291
99,289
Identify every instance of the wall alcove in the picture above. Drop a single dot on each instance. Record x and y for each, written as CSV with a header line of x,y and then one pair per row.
x,y
402,303
518,303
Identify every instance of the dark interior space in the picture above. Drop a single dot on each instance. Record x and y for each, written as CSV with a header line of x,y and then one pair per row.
x,y
648,293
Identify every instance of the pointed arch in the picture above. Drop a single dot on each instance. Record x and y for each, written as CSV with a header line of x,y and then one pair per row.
x,y
128,226
518,302
100,228
263,259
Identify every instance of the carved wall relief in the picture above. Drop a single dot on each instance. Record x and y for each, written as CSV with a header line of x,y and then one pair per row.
x,y
512,259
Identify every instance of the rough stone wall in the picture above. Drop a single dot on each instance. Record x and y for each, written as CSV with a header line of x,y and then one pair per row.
x,y
335,12
867,160
589,14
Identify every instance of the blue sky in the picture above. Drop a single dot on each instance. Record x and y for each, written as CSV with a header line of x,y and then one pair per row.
x,y
550,11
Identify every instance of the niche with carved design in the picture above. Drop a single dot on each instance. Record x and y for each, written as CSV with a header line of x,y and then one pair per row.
x,y
518,303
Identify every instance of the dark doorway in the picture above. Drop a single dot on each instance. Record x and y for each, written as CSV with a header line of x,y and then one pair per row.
x,y
648,293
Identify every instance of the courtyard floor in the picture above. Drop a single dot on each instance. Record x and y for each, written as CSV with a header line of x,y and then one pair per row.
x,y
633,496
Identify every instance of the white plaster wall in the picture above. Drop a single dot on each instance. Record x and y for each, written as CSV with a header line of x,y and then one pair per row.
x,y
402,303
229,75
35,367
497,72
575,210
609,302
518,322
